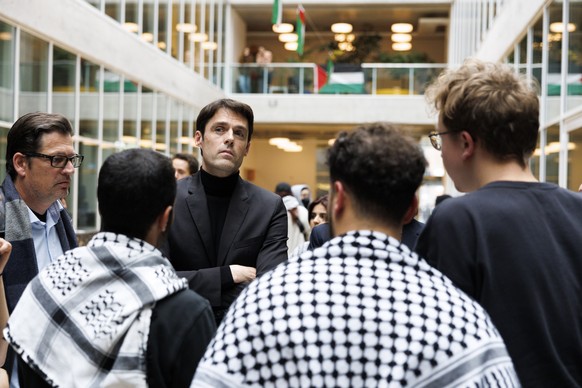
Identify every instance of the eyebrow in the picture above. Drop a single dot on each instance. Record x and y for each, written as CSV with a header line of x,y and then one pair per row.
x,y
224,123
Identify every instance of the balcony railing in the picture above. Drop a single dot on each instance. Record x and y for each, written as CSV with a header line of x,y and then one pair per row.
x,y
310,78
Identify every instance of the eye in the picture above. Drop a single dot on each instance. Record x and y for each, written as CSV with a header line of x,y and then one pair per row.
x,y
240,134
219,129
59,159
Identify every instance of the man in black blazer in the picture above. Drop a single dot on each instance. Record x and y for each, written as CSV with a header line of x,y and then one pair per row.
x,y
226,231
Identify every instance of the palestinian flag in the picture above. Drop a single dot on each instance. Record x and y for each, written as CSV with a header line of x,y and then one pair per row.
x,y
277,16
300,29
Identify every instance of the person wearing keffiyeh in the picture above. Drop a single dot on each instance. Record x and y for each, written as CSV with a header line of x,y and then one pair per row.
x,y
362,310
115,313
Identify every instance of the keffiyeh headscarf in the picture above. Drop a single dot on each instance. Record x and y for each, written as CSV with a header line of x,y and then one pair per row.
x,y
84,321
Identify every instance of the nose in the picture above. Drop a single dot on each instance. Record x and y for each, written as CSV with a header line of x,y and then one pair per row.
x,y
69,169
229,136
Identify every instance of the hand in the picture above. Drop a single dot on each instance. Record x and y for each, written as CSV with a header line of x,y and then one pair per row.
x,y
5,249
241,274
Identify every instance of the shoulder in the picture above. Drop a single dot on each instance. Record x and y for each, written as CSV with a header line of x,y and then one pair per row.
x,y
258,193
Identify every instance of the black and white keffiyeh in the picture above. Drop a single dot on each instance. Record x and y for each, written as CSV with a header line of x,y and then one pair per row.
x,y
362,310
84,320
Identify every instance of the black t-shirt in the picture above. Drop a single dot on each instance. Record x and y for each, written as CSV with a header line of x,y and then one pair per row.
x,y
516,248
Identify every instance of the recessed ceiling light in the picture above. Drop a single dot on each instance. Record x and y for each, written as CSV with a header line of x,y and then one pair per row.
x,y
401,28
283,28
341,28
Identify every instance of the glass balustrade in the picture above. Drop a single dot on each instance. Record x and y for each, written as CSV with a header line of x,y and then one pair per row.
x,y
310,78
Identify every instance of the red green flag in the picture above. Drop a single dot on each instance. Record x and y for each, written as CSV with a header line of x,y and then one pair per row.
x,y
300,29
277,12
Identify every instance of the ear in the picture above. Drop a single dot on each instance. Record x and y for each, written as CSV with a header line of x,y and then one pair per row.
x,y
198,139
20,163
339,199
469,145
411,211
247,148
164,218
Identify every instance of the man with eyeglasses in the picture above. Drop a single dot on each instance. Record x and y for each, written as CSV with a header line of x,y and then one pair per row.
x,y
512,242
40,163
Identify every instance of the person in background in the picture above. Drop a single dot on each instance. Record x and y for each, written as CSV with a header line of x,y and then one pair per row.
x,y
226,230
302,193
317,211
362,310
40,163
297,223
184,165
411,230
114,313
511,242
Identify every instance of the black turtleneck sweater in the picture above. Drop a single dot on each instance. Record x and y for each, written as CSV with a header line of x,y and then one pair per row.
x,y
218,193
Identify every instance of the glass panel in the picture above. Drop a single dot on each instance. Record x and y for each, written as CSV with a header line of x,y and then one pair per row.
x,y
6,73
148,22
111,87
89,96
87,212
64,82
130,118
534,162
554,64
202,35
95,3
131,9
162,105
575,159
552,154
190,28
574,97
113,10
3,136
175,111
163,25
147,109
537,51
33,74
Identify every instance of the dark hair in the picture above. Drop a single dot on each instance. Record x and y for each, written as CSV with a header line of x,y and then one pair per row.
x,y
26,134
283,189
321,200
190,159
380,167
493,103
238,107
135,187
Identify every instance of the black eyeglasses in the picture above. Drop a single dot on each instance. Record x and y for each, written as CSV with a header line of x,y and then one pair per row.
x,y
435,139
60,161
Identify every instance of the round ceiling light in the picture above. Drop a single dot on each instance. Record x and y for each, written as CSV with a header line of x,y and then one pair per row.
x,y
209,45
198,37
283,28
291,37
341,28
401,28
401,38
186,27
291,46
559,26
401,46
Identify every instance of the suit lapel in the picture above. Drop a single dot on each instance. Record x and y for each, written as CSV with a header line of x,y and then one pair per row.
x,y
237,210
198,207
